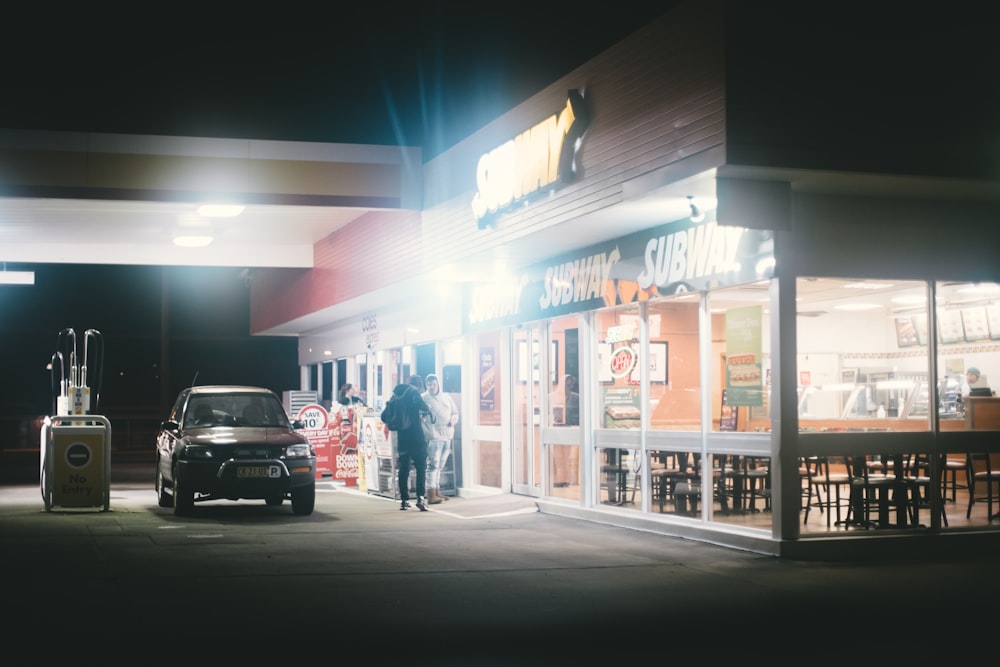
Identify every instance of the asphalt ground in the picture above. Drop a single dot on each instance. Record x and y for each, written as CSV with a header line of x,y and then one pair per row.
x,y
474,581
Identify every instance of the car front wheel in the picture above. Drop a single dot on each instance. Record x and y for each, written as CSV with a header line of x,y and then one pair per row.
x,y
304,499
163,498
183,498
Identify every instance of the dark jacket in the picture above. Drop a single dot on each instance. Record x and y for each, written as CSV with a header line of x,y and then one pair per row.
x,y
412,439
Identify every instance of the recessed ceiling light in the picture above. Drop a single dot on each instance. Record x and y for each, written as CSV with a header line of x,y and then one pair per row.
x,y
17,277
910,299
857,306
192,241
980,288
220,210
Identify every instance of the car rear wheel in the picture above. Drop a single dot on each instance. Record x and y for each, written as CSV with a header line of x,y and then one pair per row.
x,y
304,499
183,498
163,498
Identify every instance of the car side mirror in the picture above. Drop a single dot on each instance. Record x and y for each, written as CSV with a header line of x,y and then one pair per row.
x,y
297,425
169,425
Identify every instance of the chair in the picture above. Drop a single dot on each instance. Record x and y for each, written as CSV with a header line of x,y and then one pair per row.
x,y
953,464
825,485
869,489
614,473
807,491
918,478
757,482
665,473
979,473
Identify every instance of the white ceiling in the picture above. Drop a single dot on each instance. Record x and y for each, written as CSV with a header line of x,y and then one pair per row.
x,y
54,231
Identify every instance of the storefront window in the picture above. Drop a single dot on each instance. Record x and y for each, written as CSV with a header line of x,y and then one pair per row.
x,y
862,355
675,484
739,359
674,361
968,356
619,477
618,370
875,382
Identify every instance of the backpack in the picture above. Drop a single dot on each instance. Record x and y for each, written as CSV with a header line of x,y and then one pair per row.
x,y
396,415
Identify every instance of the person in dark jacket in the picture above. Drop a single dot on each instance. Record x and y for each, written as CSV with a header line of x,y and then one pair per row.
x,y
411,446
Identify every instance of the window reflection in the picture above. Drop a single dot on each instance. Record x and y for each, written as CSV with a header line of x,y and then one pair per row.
x,y
875,377
674,371
968,354
620,477
740,372
618,351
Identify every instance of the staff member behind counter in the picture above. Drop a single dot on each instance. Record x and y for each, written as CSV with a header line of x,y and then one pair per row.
x,y
974,380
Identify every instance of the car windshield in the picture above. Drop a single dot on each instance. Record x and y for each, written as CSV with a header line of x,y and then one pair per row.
x,y
234,410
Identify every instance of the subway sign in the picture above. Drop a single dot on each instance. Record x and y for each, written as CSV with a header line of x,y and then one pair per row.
x,y
536,161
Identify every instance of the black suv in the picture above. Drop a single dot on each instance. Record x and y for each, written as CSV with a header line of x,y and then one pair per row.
x,y
232,442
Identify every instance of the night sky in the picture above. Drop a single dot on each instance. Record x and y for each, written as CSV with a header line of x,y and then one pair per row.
x,y
426,74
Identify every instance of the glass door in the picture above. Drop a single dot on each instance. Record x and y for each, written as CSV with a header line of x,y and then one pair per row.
x,y
561,435
526,408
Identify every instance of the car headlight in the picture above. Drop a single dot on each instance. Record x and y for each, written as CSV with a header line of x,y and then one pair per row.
x,y
300,451
197,452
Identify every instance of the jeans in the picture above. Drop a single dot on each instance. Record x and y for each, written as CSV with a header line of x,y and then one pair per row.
x,y
438,452
419,461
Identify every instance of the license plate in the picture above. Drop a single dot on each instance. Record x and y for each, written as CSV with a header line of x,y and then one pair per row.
x,y
257,472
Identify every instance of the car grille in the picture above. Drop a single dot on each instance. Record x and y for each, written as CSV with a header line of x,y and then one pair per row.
x,y
256,453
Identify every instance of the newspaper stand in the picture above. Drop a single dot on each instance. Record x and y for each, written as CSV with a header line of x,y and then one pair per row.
x,y
75,444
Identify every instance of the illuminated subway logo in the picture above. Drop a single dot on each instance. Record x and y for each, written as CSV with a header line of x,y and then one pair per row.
x,y
534,161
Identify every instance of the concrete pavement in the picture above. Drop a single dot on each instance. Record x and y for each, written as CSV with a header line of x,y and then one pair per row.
x,y
485,581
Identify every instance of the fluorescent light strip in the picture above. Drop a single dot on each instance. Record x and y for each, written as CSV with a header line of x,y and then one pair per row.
x,y
17,277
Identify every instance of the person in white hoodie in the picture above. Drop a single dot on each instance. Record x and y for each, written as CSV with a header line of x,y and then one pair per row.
x,y
439,433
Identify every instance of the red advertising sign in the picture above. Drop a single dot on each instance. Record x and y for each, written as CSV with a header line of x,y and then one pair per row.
x,y
344,440
316,427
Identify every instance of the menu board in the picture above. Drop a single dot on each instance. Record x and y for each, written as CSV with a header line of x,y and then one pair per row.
x,y
993,318
906,332
950,326
974,322
920,322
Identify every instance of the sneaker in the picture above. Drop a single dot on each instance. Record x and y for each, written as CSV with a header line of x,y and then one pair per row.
x,y
406,505
421,505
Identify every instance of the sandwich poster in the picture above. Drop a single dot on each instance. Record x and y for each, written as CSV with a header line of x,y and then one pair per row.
x,y
744,354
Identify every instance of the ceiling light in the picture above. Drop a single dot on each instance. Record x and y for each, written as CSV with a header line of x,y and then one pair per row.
x,y
193,240
910,299
17,277
868,285
857,306
696,213
220,210
193,231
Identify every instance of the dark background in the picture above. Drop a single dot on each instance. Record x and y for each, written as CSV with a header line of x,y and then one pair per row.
x,y
419,74
416,74
158,329
429,74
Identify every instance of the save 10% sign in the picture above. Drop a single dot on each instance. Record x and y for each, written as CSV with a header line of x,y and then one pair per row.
x,y
314,418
